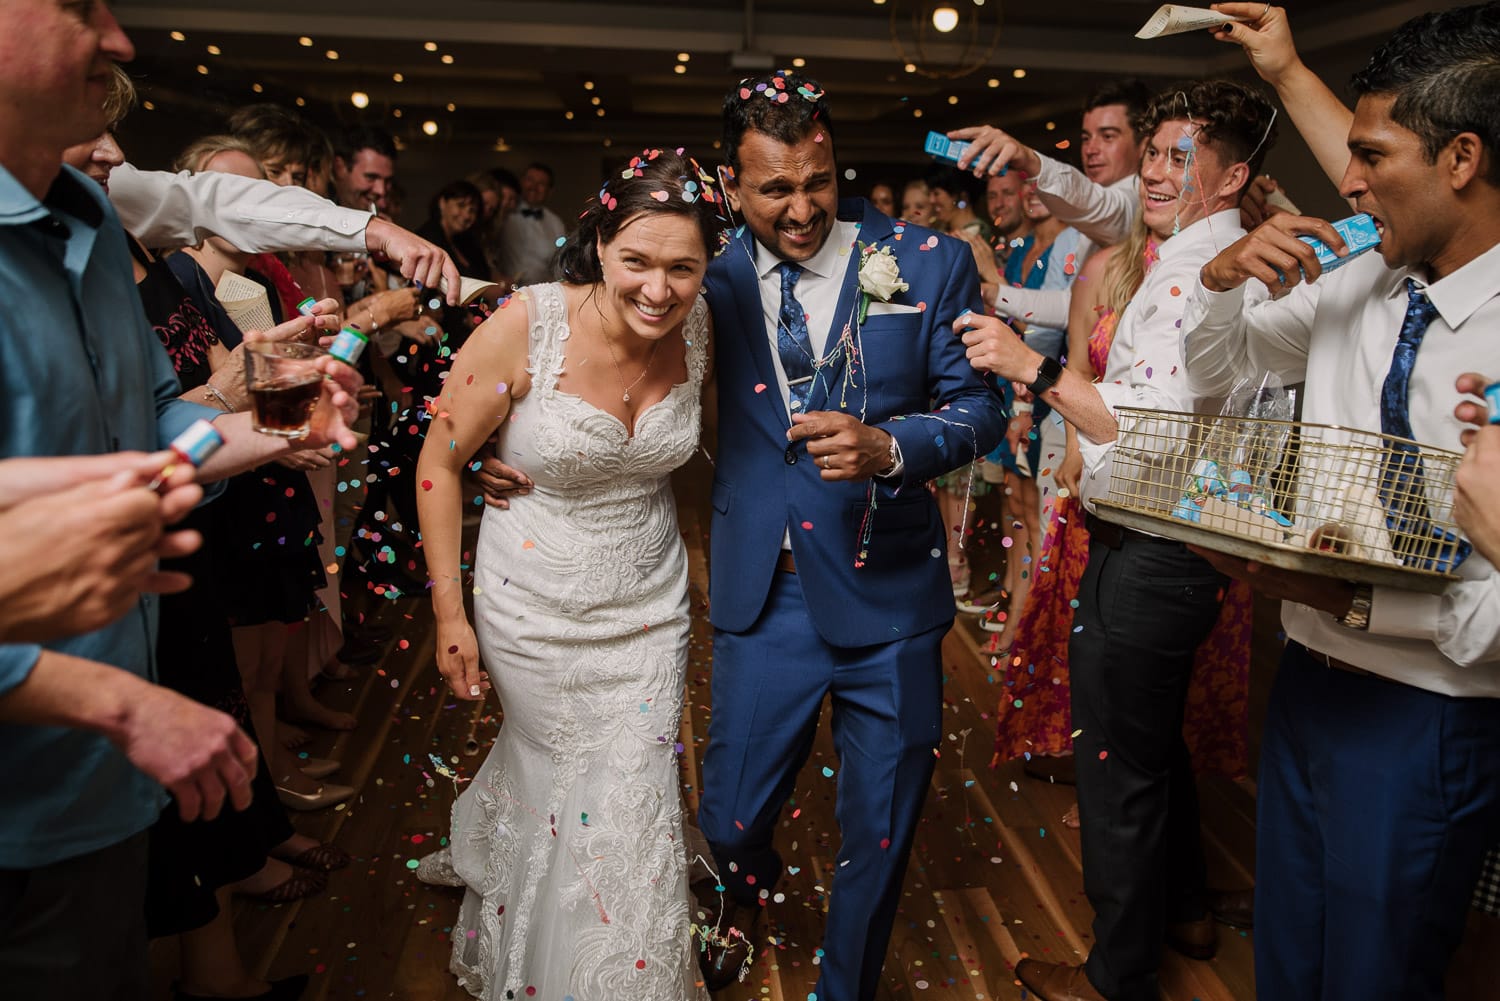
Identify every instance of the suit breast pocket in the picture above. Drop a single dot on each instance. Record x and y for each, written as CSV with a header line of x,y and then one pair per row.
x,y
893,351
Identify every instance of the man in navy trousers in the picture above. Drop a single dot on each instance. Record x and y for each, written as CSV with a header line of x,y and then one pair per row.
x,y
841,390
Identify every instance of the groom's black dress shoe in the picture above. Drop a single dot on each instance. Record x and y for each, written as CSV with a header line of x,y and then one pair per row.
x,y
727,946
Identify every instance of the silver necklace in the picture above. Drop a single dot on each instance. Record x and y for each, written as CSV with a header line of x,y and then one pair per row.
x,y
625,395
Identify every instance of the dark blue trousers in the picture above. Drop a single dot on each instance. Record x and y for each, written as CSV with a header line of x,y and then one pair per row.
x,y
768,690
1377,803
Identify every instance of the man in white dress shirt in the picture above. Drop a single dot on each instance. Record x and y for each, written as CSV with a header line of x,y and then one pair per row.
x,y
529,242
1100,201
1145,602
1378,793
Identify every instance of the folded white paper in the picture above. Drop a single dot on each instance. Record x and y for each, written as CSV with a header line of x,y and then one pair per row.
x,y
1170,19
245,300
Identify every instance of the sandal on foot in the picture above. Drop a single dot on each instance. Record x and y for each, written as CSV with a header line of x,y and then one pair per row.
x,y
301,883
322,857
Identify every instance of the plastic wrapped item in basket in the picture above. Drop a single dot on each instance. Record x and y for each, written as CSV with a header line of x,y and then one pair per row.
x,y
1358,505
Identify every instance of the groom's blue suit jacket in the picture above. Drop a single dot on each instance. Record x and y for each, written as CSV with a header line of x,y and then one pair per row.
x,y
869,576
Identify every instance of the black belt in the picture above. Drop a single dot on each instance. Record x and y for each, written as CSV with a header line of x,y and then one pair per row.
x,y
1107,533
785,563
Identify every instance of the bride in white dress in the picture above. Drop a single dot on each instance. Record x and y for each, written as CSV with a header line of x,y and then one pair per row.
x,y
569,839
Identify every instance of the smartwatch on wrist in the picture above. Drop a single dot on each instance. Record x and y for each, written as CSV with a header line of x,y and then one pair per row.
x,y
1047,374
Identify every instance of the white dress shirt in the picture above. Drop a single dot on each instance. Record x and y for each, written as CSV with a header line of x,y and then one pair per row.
x,y
1339,335
178,210
1146,367
1102,214
528,246
818,291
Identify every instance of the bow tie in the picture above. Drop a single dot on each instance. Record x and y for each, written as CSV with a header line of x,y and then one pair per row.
x,y
532,213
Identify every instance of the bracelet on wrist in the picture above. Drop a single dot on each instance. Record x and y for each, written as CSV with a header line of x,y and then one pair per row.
x,y
211,392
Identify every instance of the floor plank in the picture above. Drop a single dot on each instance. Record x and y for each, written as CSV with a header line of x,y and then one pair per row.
x,y
993,877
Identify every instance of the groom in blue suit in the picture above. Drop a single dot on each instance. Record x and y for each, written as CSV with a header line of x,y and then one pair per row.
x,y
841,391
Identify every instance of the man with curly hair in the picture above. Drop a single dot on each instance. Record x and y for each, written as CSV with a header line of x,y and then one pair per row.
x,y
1145,602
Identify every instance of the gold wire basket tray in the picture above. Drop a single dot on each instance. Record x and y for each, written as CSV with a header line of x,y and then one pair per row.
x,y
1357,505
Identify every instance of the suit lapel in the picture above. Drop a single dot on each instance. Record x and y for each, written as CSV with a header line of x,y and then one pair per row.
x,y
874,226
745,285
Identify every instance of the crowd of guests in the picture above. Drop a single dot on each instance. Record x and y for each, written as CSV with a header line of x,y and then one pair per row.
x,y
1125,657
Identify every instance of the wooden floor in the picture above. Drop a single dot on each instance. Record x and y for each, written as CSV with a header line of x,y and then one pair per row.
x,y
993,877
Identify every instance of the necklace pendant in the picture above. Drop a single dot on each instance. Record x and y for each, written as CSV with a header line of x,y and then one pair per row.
x,y
627,397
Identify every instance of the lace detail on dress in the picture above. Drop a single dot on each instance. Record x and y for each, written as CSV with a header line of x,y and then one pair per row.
x,y
569,839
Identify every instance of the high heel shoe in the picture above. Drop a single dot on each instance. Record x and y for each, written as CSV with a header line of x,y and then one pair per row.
x,y
318,768
327,795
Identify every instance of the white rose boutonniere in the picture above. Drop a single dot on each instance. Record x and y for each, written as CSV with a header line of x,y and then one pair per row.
x,y
879,277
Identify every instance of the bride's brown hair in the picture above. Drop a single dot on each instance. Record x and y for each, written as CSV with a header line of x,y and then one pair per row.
x,y
656,180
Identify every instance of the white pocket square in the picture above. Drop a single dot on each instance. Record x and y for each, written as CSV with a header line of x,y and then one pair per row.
x,y
878,308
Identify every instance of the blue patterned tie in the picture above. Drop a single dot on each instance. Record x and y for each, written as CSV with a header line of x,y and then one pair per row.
x,y
792,342
1401,480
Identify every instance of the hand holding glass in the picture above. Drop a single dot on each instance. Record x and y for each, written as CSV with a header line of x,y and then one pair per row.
x,y
284,381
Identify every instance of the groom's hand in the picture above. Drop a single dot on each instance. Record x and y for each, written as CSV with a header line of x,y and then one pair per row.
x,y
497,481
842,447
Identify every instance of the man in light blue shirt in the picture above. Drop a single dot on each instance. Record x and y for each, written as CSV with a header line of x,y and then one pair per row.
x,y
87,740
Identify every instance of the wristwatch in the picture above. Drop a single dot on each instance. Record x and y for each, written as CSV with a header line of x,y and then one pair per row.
x,y
1047,374
1358,616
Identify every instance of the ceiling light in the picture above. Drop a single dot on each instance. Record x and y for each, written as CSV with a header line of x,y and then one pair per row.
x,y
430,127
679,69
1051,126
1018,73
588,85
718,144
451,106
992,82
850,174
910,67
683,57
447,59
148,105
599,112
568,115
880,3
332,53
359,99
398,77
944,19
609,142
257,88
916,112
203,69
214,50
305,42
799,62
301,102
952,98
396,112
430,46
596,100
178,36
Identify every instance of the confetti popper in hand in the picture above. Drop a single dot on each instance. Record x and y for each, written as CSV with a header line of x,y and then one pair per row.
x,y
305,307
348,345
193,446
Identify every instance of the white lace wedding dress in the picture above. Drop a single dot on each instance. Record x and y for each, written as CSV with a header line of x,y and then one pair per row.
x,y
569,839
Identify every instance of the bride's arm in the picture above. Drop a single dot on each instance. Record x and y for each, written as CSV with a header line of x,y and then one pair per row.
x,y
486,375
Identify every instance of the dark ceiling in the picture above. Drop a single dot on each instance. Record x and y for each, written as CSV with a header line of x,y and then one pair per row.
x,y
515,72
